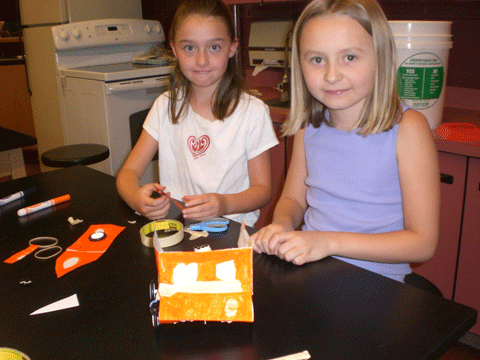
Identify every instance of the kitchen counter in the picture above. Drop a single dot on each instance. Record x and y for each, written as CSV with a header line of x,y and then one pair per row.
x,y
455,115
12,61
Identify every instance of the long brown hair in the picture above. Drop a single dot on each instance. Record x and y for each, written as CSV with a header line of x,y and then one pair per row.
x,y
382,107
230,88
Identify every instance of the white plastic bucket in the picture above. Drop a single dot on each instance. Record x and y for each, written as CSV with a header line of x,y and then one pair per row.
x,y
422,62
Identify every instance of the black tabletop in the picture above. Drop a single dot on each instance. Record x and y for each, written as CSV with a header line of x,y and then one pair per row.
x,y
332,309
10,139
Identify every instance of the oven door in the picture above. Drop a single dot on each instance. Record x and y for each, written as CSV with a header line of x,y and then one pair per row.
x,y
99,112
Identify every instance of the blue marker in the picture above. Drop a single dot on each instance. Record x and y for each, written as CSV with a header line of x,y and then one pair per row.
x,y
17,195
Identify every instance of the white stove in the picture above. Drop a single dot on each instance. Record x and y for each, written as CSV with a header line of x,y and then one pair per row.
x,y
101,89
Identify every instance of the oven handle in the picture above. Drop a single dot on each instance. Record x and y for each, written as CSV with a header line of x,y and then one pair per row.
x,y
158,84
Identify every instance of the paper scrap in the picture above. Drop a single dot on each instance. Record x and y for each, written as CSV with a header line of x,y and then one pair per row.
x,y
304,355
72,221
69,302
243,237
196,234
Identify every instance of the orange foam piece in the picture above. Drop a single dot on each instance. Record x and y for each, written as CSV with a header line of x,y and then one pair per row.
x,y
84,251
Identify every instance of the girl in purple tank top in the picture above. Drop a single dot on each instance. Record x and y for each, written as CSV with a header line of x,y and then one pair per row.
x,y
364,175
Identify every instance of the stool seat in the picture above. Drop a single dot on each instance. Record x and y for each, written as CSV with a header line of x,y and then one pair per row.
x,y
78,154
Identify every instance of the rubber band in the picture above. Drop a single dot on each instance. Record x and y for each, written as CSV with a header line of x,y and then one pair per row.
x,y
45,247
48,249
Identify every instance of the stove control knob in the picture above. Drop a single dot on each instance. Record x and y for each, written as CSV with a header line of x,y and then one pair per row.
x,y
157,29
64,35
147,28
77,34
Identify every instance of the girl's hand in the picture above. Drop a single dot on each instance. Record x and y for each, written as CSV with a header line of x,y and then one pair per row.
x,y
262,238
300,247
297,247
200,207
153,209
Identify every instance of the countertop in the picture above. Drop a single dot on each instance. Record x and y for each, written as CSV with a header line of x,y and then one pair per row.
x,y
19,60
455,115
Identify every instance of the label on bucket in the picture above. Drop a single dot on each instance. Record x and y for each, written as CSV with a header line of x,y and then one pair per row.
x,y
420,80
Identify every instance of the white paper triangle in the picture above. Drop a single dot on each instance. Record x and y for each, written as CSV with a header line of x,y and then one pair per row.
x,y
66,303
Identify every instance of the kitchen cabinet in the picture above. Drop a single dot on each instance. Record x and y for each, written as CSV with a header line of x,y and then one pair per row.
x,y
468,279
15,106
233,2
455,268
280,158
258,1
442,267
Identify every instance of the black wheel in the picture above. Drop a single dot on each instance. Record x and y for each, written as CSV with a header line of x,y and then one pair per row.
x,y
155,321
153,290
154,307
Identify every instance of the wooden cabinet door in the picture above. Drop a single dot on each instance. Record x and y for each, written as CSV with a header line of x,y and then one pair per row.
x,y
467,290
241,1
278,161
441,268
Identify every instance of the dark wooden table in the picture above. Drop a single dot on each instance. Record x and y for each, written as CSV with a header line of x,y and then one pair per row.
x,y
330,308
12,142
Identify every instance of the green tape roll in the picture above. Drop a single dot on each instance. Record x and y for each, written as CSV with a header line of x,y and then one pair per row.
x,y
169,232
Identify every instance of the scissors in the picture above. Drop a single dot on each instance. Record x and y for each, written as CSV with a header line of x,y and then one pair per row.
x,y
211,225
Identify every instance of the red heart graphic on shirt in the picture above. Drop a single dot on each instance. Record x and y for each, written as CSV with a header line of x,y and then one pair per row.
x,y
198,146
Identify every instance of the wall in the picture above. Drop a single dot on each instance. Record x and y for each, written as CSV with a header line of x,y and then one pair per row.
x,y
463,78
463,73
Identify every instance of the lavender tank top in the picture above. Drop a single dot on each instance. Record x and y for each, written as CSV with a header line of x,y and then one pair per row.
x,y
353,186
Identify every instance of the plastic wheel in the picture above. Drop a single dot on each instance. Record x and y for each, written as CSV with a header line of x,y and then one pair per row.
x,y
153,290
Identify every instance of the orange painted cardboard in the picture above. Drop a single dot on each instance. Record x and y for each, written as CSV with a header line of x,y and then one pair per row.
x,y
183,306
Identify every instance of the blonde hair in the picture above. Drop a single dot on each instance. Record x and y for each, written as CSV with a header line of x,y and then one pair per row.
x,y
229,90
382,107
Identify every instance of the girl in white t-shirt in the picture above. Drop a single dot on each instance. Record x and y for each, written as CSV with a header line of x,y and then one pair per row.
x,y
211,136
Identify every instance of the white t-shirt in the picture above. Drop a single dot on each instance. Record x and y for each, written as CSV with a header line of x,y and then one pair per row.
x,y
198,156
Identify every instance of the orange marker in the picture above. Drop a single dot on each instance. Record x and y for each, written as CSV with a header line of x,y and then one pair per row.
x,y
43,205
175,201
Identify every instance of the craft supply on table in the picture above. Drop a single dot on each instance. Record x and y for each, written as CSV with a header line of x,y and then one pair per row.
x,y
202,248
73,221
17,195
12,354
304,355
43,205
174,201
196,234
169,232
214,225
203,286
86,250
44,243
68,302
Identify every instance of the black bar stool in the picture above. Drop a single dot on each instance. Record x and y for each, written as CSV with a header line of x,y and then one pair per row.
x,y
78,154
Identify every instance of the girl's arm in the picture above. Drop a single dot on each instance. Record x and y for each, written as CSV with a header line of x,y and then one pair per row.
x,y
420,184
257,195
128,180
292,204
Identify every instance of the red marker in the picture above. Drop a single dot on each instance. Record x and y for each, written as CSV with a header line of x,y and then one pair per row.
x,y
43,205
175,201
